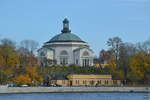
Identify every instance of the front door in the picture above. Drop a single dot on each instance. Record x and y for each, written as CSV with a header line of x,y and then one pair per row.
x,y
70,83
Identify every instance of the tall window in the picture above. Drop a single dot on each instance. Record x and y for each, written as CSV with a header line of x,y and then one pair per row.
x,y
99,82
85,60
92,82
84,82
76,61
85,54
106,82
63,60
77,82
64,57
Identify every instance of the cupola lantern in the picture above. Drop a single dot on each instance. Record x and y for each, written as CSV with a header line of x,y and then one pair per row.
x,y
65,26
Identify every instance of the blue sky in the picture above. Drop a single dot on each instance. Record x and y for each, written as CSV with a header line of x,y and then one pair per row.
x,y
94,21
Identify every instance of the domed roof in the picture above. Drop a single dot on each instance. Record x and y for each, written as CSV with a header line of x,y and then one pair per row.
x,y
66,35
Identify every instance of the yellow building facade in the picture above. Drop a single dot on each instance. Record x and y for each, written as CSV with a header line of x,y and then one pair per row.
x,y
87,80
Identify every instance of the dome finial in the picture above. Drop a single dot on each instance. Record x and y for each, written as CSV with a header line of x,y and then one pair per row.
x,y
65,26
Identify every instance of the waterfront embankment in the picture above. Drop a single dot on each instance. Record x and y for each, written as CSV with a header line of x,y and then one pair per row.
x,y
71,89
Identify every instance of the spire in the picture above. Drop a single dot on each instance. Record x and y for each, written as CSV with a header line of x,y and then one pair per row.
x,y
65,26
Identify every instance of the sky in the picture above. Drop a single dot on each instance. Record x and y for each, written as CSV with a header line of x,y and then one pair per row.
x,y
94,21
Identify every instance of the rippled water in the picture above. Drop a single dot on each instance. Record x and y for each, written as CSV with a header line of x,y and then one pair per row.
x,y
76,96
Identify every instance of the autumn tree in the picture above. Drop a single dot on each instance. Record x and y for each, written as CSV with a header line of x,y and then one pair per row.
x,y
112,64
127,51
32,69
9,57
3,77
140,64
132,77
22,79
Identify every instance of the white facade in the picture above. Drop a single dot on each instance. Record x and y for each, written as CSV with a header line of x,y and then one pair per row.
x,y
65,48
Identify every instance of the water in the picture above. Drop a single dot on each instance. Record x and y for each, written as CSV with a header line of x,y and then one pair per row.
x,y
75,96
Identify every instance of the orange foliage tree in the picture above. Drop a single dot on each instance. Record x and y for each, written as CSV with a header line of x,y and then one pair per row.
x,y
32,70
22,79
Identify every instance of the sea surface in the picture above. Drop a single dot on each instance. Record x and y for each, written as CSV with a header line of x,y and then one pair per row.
x,y
76,96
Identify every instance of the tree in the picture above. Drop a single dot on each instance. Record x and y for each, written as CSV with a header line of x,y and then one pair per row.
x,y
22,79
2,62
23,51
123,61
9,57
112,65
146,46
32,70
115,44
140,64
30,45
8,42
105,55
3,77
132,76
130,49
127,51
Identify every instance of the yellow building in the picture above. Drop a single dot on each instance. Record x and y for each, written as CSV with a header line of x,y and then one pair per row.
x,y
89,80
60,81
86,80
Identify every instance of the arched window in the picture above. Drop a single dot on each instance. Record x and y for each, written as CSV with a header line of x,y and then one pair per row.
x,y
85,60
63,57
85,53
64,53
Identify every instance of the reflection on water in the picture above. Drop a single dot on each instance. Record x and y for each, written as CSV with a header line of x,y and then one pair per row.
x,y
146,96
76,96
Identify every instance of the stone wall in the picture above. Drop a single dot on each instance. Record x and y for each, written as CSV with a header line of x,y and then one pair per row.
x,y
71,89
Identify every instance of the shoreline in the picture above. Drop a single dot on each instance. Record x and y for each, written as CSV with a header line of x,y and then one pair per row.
x,y
26,90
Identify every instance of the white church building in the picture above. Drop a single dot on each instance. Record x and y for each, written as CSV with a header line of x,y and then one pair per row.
x,y
65,48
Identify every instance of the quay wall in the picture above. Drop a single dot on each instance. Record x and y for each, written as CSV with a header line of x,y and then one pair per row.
x,y
4,90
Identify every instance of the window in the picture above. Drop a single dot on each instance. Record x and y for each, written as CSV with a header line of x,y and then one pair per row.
x,y
76,61
92,82
85,62
85,58
106,82
85,53
77,82
63,60
64,57
84,82
64,53
66,25
99,82
42,54
115,82
63,81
